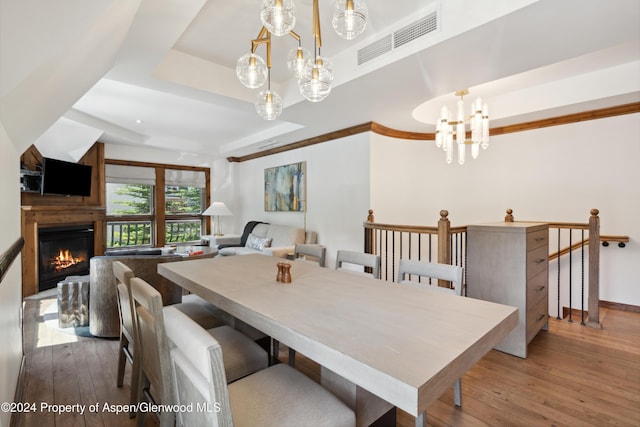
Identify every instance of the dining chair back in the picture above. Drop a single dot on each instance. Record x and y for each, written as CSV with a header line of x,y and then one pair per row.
x,y
198,369
310,252
316,252
154,349
275,396
370,261
431,270
128,330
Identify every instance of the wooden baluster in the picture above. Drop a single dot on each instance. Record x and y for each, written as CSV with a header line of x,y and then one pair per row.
x,y
444,243
369,234
594,270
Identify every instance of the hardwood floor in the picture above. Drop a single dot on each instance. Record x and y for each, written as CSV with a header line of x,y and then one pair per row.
x,y
574,376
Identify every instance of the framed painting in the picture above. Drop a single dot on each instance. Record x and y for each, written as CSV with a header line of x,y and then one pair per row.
x,y
285,187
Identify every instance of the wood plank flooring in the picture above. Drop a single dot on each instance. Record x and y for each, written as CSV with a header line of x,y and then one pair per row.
x,y
574,376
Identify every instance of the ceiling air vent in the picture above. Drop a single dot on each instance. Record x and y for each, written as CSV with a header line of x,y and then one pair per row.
x,y
420,28
374,50
399,38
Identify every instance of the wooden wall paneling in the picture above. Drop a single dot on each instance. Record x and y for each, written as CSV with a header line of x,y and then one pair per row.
x,y
33,217
160,207
94,157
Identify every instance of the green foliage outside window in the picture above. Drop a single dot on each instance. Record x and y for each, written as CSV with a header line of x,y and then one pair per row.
x,y
137,199
183,200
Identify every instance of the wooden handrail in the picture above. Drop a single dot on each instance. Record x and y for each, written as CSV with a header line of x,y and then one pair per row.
x,y
403,228
603,239
568,249
622,240
8,256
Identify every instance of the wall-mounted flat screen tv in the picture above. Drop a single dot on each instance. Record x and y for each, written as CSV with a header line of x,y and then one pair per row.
x,y
65,178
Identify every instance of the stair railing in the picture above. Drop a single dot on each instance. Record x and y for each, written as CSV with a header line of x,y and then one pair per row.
x,y
448,245
443,244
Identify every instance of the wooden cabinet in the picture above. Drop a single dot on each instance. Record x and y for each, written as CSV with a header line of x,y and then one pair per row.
x,y
508,263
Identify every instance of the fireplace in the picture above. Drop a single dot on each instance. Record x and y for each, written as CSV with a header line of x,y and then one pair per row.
x,y
62,252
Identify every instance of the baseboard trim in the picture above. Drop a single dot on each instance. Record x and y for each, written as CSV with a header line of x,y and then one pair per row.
x,y
576,313
17,397
620,306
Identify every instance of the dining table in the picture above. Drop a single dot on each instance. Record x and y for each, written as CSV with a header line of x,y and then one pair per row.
x,y
380,345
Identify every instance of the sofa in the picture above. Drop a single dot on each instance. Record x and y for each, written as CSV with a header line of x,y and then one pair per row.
x,y
268,239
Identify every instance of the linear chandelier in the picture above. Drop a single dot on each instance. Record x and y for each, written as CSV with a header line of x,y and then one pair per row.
x,y
314,75
447,130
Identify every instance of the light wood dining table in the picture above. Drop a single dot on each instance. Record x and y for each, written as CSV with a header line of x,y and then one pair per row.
x,y
396,343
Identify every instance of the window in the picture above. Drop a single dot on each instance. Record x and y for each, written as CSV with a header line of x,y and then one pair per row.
x,y
129,215
134,216
183,206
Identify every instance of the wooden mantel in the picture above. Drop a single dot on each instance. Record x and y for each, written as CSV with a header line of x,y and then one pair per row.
x,y
33,217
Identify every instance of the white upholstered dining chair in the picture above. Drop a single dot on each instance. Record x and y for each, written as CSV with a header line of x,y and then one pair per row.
x,y
358,258
242,356
424,271
276,396
193,306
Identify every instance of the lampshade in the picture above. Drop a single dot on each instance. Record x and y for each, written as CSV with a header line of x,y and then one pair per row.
x,y
349,18
217,209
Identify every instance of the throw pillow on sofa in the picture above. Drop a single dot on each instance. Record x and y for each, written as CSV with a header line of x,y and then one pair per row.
x,y
258,243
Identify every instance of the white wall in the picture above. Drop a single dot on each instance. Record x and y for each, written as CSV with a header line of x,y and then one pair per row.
x,y
11,285
552,174
337,192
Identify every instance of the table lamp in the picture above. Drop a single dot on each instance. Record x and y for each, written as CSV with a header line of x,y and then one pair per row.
x,y
216,210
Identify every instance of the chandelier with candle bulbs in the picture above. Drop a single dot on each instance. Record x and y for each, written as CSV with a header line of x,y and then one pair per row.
x,y
315,74
448,130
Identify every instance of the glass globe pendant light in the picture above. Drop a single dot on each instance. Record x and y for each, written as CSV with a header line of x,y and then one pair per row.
x,y
317,76
251,70
349,18
269,105
277,16
315,81
297,59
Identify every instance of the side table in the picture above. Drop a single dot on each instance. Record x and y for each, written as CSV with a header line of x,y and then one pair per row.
x,y
73,302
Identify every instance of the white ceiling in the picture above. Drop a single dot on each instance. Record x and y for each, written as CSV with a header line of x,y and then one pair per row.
x,y
175,72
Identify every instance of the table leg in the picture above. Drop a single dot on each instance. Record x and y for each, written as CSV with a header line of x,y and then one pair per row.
x,y
367,406
421,420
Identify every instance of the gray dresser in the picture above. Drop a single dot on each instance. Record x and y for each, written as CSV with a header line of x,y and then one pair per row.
x,y
507,263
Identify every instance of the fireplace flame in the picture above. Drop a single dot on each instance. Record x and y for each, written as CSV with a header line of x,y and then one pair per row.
x,y
64,260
